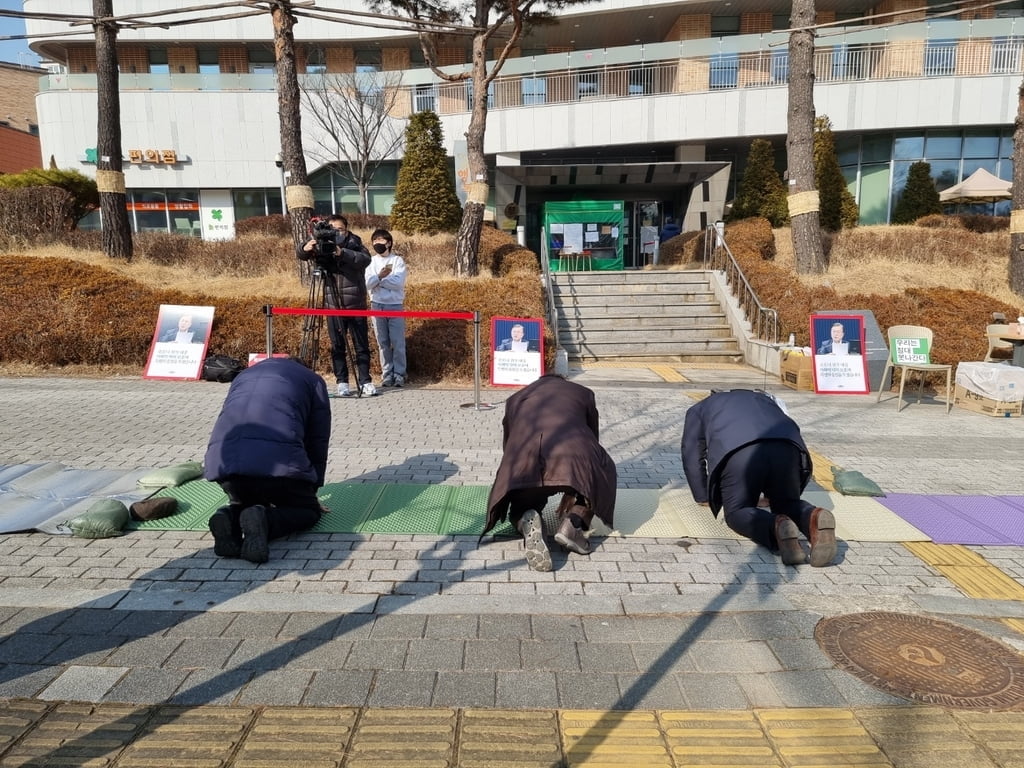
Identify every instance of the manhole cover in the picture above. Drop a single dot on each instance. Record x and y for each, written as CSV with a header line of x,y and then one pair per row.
x,y
925,660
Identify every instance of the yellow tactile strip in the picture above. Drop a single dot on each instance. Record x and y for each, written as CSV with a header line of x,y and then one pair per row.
x,y
968,571
97,735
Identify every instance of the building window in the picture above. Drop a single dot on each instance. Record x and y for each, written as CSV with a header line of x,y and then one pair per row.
x,y
1006,55
261,61
368,61
534,90
208,61
158,61
316,62
425,98
780,66
940,58
724,70
588,85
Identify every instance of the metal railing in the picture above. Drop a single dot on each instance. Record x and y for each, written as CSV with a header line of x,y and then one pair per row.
x,y
764,321
844,63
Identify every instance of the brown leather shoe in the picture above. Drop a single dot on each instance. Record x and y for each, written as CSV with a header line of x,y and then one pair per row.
x,y
531,525
822,537
572,538
787,537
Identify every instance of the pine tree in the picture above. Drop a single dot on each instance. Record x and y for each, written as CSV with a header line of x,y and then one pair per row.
x,y
761,191
919,198
838,208
425,199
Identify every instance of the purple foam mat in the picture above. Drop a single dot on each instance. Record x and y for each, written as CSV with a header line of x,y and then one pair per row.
x,y
962,519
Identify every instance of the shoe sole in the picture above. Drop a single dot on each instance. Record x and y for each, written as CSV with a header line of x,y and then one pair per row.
x,y
255,548
789,544
823,550
537,555
223,542
571,545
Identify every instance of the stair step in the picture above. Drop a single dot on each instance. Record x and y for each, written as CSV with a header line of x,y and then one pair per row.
x,y
649,323
620,348
652,335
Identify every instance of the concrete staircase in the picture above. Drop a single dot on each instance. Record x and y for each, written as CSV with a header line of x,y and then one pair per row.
x,y
648,316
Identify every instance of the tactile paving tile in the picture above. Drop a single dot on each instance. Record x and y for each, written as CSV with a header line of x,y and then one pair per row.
x,y
639,513
981,520
717,738
596,738
695,521
386,738
863,518
502,738
292,736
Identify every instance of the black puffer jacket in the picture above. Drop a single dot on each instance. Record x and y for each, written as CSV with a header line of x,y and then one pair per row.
x,y
347,272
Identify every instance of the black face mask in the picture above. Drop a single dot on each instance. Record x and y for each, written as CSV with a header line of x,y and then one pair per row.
x,y
380,247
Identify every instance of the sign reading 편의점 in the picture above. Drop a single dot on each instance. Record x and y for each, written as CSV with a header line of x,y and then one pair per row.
x,y
910,352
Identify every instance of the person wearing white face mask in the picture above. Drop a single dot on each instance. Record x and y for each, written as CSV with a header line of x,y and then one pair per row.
x,y
385,280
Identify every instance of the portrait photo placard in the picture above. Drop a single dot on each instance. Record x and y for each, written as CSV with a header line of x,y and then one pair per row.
x,y
837,350
179,343
517,350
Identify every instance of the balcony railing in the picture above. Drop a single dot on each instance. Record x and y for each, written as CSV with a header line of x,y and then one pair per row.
x,y
899,59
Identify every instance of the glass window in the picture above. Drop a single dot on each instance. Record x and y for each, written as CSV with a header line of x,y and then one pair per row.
x,y
847,150
381,200
1006,146
261,61
249,203
724,26
941,144
588,84
724,70
981,144
348,200
780,66
945,173
158,61
209,61
150,210
939,58
368,60
386,175
1006,53
877,148
970,166
426,98
908,148
316,61
535,90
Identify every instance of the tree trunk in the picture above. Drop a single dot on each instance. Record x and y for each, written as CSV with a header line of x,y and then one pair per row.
x,y
298,195
803,196
117,232
467,242
1017,204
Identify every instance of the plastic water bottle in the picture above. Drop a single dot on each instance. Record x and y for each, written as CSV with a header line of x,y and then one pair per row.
x,y
792,341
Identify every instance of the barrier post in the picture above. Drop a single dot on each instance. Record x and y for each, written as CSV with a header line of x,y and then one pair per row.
x,y
269,312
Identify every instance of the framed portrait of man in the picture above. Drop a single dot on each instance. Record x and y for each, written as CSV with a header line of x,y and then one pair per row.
x,y
837,349
179,343
517,350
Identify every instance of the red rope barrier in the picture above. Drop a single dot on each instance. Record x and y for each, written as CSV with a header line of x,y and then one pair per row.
x,y
370,313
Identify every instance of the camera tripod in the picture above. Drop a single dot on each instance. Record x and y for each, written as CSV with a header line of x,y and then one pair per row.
x,y
323,294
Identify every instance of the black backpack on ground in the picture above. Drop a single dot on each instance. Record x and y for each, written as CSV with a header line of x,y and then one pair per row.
x,y
221,368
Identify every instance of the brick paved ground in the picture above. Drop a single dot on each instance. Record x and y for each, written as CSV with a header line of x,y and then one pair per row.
x,y
346,633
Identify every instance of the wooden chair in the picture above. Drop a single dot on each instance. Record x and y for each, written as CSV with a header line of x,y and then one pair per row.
x,y
993,331
914,332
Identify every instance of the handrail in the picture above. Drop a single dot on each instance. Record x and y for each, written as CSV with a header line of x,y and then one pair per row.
x,y
764,321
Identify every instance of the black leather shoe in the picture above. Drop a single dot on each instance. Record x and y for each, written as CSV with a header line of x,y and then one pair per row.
x,y
255,546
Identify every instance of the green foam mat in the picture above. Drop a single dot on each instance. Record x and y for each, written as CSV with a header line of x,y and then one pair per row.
x,y
197,500
349,505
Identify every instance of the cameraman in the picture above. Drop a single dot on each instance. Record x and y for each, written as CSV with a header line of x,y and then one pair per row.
x,y
345,288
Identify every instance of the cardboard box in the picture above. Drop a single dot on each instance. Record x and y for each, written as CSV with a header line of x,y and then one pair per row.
x,y
972,401
796,371
999,381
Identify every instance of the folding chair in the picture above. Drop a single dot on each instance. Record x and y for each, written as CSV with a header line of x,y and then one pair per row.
x,y
914,332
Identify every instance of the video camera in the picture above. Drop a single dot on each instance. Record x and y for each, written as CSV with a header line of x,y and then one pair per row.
x,y
326,242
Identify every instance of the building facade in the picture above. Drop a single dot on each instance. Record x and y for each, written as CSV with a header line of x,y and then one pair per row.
x,y
19,126
654,104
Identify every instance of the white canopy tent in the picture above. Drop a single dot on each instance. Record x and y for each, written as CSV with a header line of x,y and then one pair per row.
x,y
980,187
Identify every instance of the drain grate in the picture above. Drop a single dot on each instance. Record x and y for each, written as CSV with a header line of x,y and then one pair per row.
x,y
925,660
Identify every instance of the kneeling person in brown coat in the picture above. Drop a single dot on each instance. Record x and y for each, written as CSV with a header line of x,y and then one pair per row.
x,y
550,444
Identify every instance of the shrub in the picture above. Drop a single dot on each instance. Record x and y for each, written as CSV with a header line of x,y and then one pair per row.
x,y
85,197
919,198
761,192
981,224
939,221
31,214
838,209
276,225
425,199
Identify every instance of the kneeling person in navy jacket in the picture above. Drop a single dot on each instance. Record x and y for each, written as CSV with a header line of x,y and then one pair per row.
x,y
268,451
740,444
